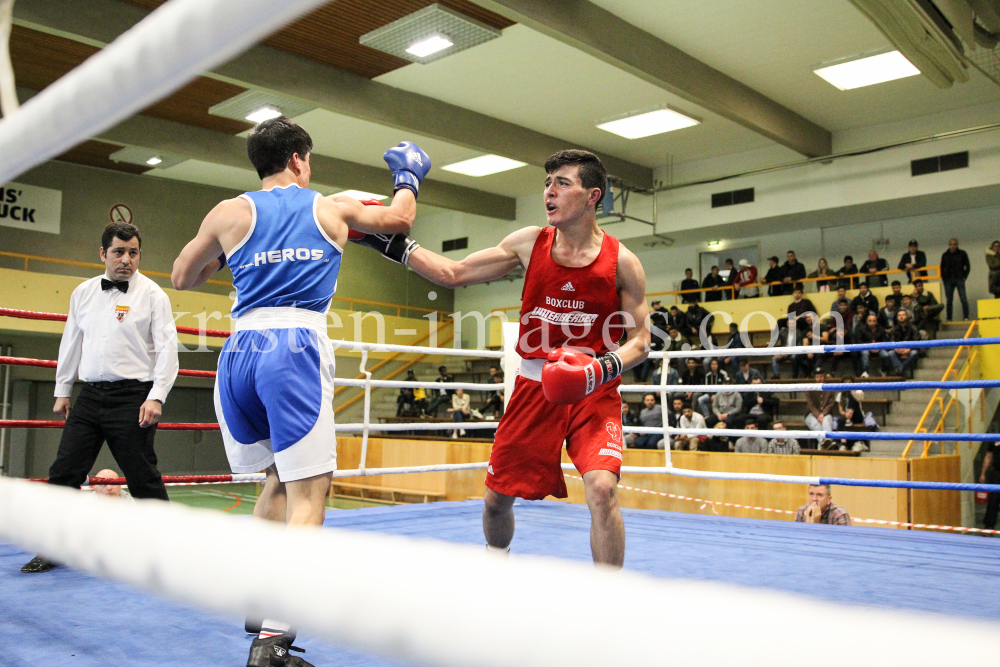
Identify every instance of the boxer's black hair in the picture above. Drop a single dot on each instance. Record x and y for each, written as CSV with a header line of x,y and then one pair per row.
x,y
272,144
121,230
591,170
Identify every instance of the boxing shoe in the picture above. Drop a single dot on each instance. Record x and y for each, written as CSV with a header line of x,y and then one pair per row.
x,y
275,652
408,165
38,564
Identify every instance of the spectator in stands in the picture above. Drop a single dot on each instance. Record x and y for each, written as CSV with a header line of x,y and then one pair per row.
x,y
867,298
675,341
773,277
912,260
746,280
629,418
651,416
676,411
823,270
690,419
658,332
834,306
872,266
782,445
744,373
731,276
734,343
837,334
799,306
990,474
696,316
887,316
852,416
690,283
495,404
993,262
848,273
718,443
493,371
915,319
819,405
811,334
844,319
861,315
460,410
903,358
792,272
820,509
693,373
872,332
793,336
897,291
442,395
955,269
677,320
714,376
926,302
751,444
727,406
405,398
761,405
672,377
713,281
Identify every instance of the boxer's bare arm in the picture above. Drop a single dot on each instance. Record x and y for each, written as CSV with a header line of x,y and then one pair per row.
x,y
490,264
632,289
220,231
338,213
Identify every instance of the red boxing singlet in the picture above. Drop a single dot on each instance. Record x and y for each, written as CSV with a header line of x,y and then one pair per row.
x,y
563,306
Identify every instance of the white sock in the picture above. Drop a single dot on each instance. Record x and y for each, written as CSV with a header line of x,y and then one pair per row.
x,y
270,628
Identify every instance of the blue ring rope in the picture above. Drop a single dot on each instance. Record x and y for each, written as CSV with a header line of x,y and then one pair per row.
x,y
911,344
900,484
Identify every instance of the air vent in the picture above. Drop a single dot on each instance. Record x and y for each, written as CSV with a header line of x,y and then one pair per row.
x,y
732,198
932,165
455,244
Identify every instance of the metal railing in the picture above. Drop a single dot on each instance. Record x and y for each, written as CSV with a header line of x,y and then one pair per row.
x,y
937,399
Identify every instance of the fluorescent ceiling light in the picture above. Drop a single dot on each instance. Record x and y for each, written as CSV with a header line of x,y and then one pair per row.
x,y
262,114
426,47
359,195
483,165
866,71
153,161
648,123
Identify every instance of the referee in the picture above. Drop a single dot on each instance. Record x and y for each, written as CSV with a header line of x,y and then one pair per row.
x,y
121,341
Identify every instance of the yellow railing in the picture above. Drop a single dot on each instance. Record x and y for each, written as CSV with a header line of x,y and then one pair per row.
x,y
938,398
93,265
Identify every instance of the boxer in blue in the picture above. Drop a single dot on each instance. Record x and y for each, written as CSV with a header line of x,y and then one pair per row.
x,y
274,389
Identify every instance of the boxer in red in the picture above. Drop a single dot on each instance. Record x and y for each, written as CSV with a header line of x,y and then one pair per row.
x,y
583,293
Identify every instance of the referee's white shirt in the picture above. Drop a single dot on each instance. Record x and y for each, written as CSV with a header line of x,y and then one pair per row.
x,y
113,335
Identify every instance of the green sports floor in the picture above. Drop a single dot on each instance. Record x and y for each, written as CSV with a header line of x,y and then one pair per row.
x,y
240,498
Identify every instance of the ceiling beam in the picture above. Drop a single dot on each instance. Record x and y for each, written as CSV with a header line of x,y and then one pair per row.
x,y
265,68
224,149
596,31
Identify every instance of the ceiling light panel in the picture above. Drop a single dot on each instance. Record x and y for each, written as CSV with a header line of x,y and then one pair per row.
x,y
866,70
146,157
420,37
483,165
646,123
250,102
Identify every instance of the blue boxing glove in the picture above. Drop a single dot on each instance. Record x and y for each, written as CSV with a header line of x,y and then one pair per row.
x,y
408,165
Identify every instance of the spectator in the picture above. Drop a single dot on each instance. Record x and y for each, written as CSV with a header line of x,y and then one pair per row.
x,y
690,419
405,400
731,277
820,509
495,404
746,280
837,334
442,395
718,443
792,272
677,320
912,260
734,343
794,336
897,292
926,302
763,405
658,332
809,362
887,316
799,306
672,376
696,316
865,297
917,318
841,296
751,444
819,405
727,406
955,269
773,277
629,418
713,281
872,268
848,273
903,358
872,332
821,271
110,490
852,416
689,283
782,445
675,341
861,315
714,376
693,376
993,262
651,416
990,474
844,319
676,412
745,374
459,410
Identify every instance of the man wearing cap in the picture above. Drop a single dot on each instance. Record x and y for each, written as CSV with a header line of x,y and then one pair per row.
x,y
773,277
746,280
912,260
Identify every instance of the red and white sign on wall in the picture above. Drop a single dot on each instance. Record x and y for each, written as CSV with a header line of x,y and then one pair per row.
x,y
121,213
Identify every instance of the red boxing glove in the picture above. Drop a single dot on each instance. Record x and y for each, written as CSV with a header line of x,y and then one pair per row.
x,y
355,235
570,375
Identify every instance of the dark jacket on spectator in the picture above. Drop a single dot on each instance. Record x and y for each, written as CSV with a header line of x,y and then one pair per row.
x,y
849,283
695,315
690,283
718,377
796,271
657,319
697,377
678,320
799,308
870,301
864,335
630,419
921,261
879,265
752,373
774,275
903,333
711,281
955,265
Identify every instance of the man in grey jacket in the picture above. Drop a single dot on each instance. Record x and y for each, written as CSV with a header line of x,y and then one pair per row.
x,y
727,406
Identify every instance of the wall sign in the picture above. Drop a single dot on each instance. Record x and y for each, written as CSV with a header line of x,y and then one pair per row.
x,y
30,207
121,213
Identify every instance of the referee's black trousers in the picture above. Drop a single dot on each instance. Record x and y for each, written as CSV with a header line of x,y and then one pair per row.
x,y
109,411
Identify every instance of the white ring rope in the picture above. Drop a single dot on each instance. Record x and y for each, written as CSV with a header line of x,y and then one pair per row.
x,y
417,349
410,599
175,43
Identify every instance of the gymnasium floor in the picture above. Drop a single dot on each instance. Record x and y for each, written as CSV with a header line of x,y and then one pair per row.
x,y
68,618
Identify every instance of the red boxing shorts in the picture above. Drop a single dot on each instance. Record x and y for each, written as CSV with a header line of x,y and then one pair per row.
x,y
527,452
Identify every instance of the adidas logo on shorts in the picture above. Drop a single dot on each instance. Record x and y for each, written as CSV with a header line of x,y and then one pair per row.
x,y
489,469
568,287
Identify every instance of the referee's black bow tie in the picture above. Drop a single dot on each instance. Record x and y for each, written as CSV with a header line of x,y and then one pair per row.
x,y
121,285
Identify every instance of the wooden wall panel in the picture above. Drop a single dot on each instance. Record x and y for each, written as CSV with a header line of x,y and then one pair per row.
x,y
868,503
936,507
97,154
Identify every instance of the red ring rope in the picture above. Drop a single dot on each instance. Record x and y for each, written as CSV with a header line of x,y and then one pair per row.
x,y
48,363
167,479
59,317
55,423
